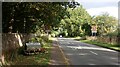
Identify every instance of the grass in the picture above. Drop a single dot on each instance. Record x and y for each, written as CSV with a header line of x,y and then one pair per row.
x,y
39,59
110,46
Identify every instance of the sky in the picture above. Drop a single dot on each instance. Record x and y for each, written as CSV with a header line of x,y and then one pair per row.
x,y
97,7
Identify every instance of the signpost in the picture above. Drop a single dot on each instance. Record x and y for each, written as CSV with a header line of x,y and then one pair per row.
x,y
94,30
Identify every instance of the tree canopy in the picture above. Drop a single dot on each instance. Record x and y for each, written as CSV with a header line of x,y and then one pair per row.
x,y
66,18
72,25
106,24
79,23
23,17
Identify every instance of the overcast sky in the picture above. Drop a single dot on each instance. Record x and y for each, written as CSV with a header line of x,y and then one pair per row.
x,y
96,7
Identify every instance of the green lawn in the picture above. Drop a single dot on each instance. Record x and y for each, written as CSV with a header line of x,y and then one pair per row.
x,y
110,46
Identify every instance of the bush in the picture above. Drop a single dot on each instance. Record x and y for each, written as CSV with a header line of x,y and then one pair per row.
x,y
112,34
83,38
32,40
54,33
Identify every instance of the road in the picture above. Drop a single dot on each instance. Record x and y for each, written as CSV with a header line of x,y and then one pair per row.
x,y
78,53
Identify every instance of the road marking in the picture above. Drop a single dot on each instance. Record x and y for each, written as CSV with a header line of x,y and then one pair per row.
x,y
93,53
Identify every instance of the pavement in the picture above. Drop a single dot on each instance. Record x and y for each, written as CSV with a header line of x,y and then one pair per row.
x,y
57,56
78,53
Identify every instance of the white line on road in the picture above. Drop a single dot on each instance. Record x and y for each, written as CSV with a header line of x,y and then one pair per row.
x,y
93,52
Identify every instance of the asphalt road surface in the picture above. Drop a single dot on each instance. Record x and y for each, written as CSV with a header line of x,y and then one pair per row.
x,y
79,53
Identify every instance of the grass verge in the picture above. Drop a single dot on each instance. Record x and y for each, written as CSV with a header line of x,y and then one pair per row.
x,y
105,45
39,59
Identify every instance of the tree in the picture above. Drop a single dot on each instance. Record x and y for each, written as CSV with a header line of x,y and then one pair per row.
x,y
72,24
24,17
106,24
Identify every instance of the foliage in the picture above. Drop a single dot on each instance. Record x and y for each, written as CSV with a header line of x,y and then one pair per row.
x,y
71,25
106,24
87,28
115,33
105,45
23,17
64,18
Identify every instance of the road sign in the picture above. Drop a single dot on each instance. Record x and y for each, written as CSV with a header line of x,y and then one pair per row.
x,y
94,30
